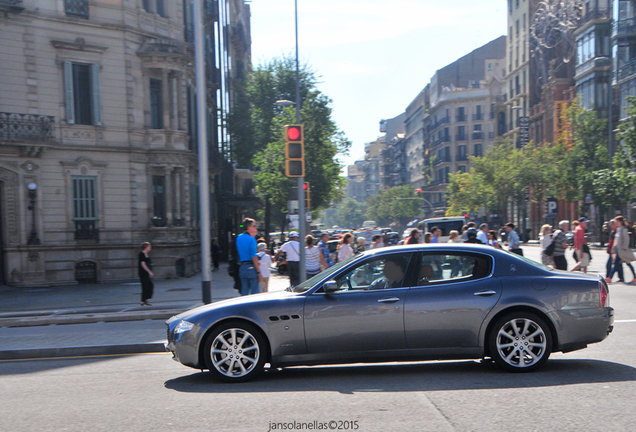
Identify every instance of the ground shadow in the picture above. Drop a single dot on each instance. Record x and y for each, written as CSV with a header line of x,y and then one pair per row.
x,y
421,376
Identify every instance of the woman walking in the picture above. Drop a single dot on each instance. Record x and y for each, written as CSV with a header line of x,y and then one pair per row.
x,y
313,258
265,263
621,248
344,248
144,268
546,240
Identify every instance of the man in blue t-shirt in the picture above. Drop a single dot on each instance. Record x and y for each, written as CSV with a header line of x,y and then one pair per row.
x,y
250,272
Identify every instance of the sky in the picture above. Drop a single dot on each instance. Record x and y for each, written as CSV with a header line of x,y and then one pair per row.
x,y
372,57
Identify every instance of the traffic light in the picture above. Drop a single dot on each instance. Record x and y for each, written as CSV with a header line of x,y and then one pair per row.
x,y
294,151
419,192
307,189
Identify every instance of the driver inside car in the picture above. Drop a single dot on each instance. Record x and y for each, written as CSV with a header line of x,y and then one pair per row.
x,y
392,276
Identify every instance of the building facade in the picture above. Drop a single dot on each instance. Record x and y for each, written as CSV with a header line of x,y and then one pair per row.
x,y
97,139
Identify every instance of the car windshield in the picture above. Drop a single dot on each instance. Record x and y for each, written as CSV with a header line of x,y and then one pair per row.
x,y
309,283
532,262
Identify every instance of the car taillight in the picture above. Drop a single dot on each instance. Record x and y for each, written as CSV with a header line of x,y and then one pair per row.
x,y
604,293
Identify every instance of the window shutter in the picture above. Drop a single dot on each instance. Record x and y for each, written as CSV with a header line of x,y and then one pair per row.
x,y
69,98
97,103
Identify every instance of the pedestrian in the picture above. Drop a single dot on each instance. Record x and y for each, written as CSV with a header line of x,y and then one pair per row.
x,y
264,263
250,272
324,249
144,268
428,237
344,249
234,266
580,245
360,247
492,239
453,237
414,237
621,248
376,242
612,267
471,234
313,258
436,234
546,240
512,238
482,234
216,254
291,249
560,245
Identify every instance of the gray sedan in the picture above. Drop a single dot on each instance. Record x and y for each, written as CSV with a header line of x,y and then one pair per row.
x,y
416,302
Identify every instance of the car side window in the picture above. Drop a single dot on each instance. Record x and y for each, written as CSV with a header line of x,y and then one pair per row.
x,y
384,272
441,267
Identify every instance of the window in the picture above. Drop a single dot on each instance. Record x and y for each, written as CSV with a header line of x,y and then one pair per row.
x,y
156,104
161,11
461,133
380,273
77,8
461,169
84,207
155,6
82,98
438,268
146,5
478,150
461,114
159,200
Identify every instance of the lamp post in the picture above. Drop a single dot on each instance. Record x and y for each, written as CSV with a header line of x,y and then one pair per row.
x,y
33,236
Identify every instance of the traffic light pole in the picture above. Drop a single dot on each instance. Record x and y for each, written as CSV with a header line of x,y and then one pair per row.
x,y
300,180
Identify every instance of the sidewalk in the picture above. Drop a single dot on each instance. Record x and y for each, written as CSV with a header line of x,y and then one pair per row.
x,y
99,319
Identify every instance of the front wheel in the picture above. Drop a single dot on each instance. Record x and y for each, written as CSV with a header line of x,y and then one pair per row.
x,y
520,342
235,352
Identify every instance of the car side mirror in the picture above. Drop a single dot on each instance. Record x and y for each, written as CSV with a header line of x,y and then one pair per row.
x,y
330,286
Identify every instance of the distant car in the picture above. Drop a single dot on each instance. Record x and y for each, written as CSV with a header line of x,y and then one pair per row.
x,y
392,238
444,301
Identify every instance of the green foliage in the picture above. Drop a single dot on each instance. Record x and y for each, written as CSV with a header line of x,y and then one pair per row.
x,y
612,187
387,206
262,143
627,134
350,214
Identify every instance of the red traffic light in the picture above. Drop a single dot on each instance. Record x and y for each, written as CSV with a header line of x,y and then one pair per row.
x,y
293,133
305,186
419,191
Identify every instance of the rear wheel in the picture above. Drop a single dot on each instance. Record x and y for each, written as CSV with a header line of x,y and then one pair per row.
x,y
520,342
235,352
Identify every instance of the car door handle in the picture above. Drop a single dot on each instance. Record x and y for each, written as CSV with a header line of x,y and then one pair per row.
x,y
486,293
389,300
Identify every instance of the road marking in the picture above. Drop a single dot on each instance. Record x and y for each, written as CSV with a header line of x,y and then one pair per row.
x,y
625,321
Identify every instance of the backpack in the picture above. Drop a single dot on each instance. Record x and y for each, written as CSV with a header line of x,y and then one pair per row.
x,y
550,249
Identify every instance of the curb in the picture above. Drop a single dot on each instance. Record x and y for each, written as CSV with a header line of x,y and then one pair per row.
x,y
88,351
88,318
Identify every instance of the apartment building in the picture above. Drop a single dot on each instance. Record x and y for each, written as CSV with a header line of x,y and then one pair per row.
x,y
97,135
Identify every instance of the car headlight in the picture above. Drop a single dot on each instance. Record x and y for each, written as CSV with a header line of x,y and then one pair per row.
x,y
183,327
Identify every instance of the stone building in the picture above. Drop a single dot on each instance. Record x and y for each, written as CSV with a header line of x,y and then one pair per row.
x,y
97,136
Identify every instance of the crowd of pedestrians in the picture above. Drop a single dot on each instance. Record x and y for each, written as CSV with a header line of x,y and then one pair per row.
x,y
253,261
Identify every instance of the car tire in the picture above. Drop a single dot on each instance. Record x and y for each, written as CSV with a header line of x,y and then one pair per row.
x,y
235,352
520,342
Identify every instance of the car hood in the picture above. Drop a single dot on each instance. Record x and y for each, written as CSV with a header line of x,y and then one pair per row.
x,y
237,301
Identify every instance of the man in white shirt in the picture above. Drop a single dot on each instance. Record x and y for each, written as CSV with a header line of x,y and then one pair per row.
x,y
482,234
292,251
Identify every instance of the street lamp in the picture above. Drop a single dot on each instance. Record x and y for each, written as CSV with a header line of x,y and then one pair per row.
x,y
33,236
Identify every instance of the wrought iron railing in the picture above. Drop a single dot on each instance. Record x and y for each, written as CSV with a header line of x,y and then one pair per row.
x,y
595,14
76,7
11,6
26,127
86,230
625,27
627,70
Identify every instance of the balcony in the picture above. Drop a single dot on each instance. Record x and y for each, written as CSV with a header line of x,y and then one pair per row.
x,y
478,135
595,14
627,70
460,137
14,6
86,230
441,160
441,140
78,8
492,115
478,117
491,135
460,118
461,158
26,127
625,27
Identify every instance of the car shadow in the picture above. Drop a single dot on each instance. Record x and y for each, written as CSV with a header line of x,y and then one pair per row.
x,y
421,376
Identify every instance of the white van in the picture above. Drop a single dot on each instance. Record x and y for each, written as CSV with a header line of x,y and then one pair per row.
x,y
446,224
370,224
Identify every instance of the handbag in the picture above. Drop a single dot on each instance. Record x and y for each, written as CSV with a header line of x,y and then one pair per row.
x,y
586,249
549,251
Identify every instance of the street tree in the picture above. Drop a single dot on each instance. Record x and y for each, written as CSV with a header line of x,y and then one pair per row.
x,y
350,213
396,205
